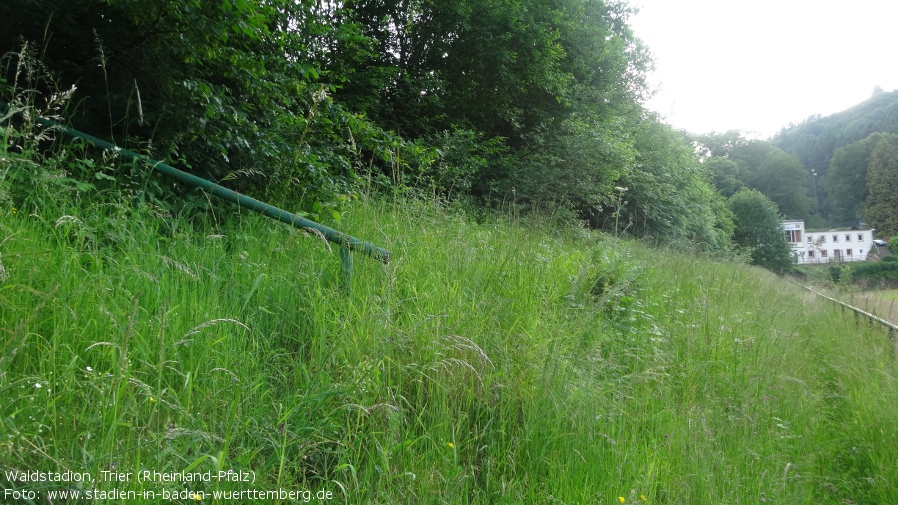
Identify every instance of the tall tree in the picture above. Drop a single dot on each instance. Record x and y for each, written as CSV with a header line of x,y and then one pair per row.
x,y
721,145
776,174
846,181
725,175
758,229
881,205
558,82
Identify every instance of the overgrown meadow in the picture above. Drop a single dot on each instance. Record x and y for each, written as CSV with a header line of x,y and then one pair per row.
x,y
496,359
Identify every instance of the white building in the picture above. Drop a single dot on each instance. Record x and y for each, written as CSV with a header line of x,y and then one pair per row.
x,y
825,246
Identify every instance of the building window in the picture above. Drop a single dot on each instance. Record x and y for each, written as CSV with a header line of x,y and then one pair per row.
x,y
860,237
823,253
793,236
835,238
849,252
810,239
822,239
847,237
810,254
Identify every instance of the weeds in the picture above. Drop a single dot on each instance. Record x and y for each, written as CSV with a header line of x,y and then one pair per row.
x,y
493,361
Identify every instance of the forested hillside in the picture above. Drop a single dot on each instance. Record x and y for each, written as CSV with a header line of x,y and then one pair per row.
x,y
835,150
815,140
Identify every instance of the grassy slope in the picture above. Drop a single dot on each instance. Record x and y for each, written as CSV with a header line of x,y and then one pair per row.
x,y
501,362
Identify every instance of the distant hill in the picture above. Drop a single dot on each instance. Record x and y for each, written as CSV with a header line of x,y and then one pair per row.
x,y
814,141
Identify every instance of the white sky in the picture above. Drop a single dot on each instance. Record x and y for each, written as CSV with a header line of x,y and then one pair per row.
x,y
757,65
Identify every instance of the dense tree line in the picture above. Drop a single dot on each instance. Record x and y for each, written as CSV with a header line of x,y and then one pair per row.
x,y
535,101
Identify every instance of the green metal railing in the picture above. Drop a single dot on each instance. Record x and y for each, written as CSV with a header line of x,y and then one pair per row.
x,y
347,243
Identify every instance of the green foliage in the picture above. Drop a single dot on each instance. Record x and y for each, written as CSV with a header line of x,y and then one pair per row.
x,y
461,157
835,273
867,272
758,229
32,176
718,145
846,181
816,140
735,162
669,197
778,175
880,208
307,104
579,168
222,89
556,84
725,173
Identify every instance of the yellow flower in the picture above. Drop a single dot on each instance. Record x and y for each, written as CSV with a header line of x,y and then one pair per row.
x,y
196,496
14,210
642,497
621,499
152,399
450,445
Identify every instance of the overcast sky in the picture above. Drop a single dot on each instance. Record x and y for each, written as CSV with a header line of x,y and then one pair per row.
x,y
757,65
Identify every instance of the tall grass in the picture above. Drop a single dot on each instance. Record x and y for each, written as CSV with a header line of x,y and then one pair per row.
x,y
495,360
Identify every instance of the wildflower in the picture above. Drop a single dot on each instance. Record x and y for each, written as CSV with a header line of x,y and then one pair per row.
x,y
621,499
152,399
319,95
450,445
196,496
89,369
15,210
642,497
37,385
